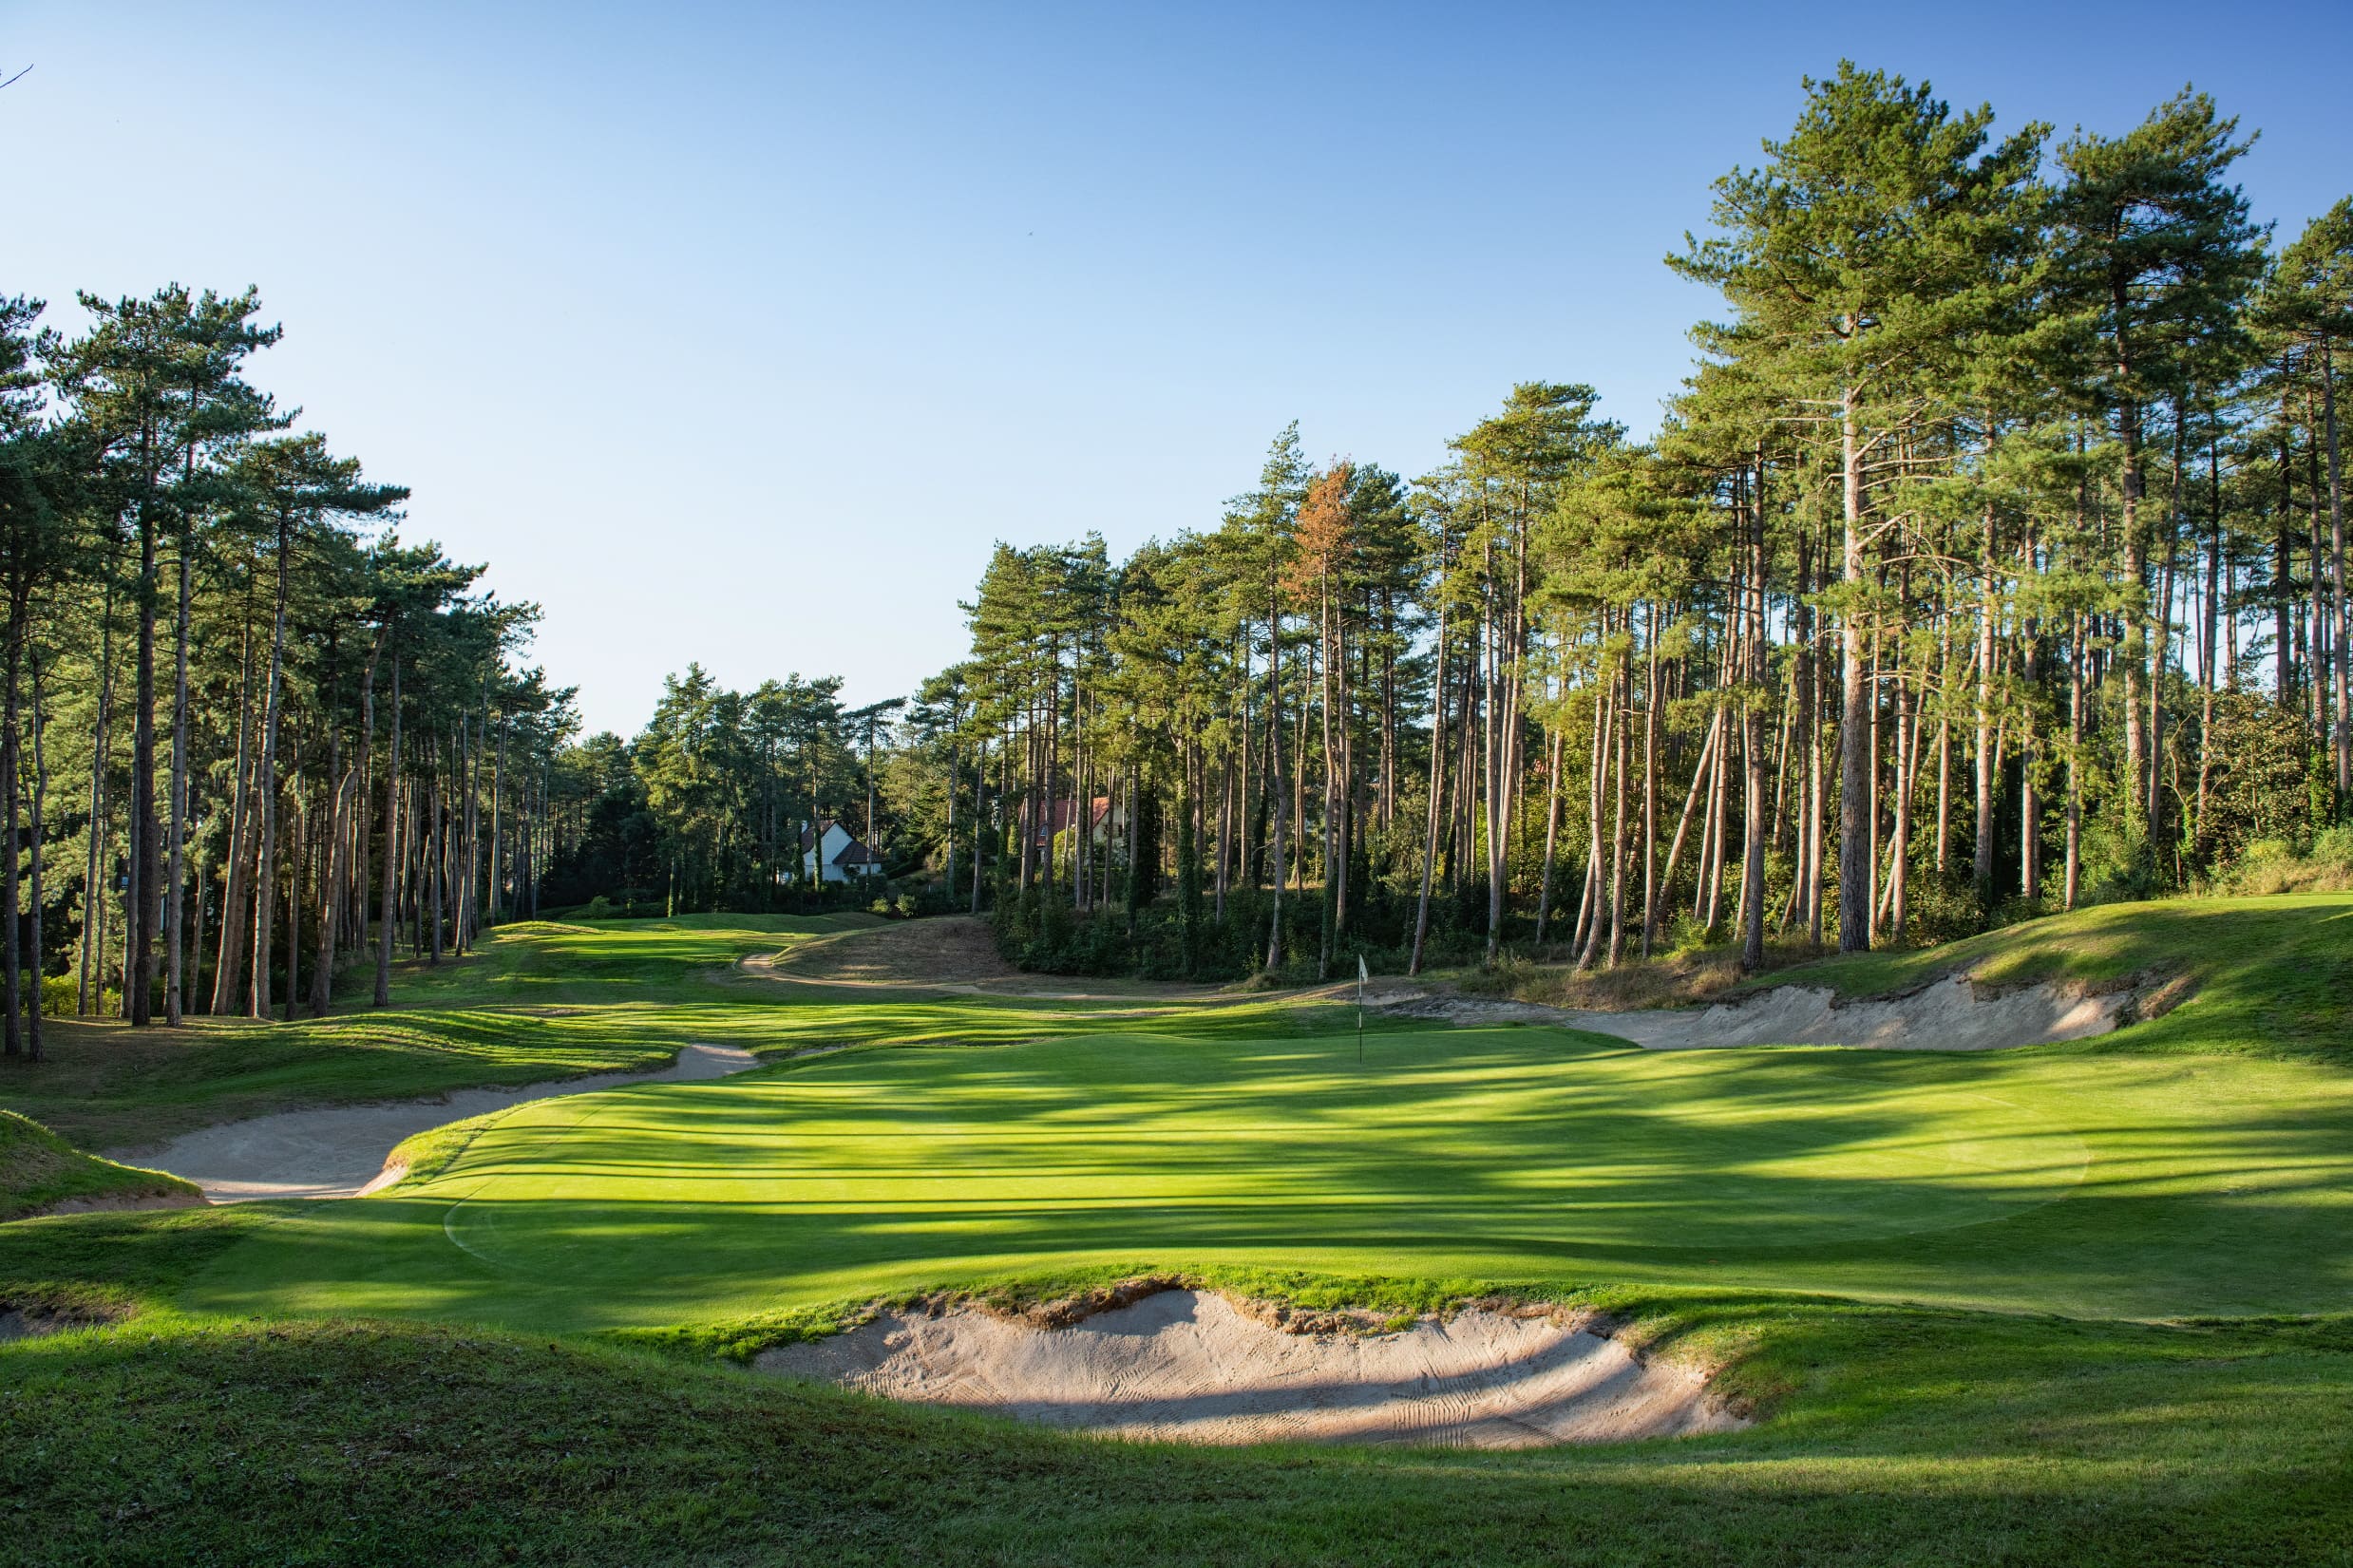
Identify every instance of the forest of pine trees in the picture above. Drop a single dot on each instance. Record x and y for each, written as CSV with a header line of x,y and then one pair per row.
x,y
1991,561
250,737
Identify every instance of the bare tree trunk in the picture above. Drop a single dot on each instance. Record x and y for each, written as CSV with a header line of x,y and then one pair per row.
x,y
1274,728
265,882
228,959
392,846
146,867
1753,845
2343,665
1437,782
1691,799
93,878
1854,760
11,905
33,1051
1650,795
2076,656
1552,838
1617,834
175,878
1982,863
296,842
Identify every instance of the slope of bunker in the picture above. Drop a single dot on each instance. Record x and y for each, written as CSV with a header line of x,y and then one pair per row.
x,y
339,1151
1190,1366
1951,1014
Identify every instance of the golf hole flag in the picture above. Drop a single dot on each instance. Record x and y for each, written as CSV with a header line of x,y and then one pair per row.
x,y
1362,976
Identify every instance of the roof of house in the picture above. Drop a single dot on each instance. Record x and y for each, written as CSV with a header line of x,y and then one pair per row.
x,y
1065,812
853,853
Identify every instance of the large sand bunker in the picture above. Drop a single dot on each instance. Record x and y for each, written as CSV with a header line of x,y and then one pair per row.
x,y
1192,1366
338,1151
1951,1014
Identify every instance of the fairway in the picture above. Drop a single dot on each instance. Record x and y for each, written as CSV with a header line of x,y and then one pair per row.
x,y
2059,1180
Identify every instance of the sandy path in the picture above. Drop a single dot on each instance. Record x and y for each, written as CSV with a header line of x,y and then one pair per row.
x,y
338,1151
1951,1014
1190,1366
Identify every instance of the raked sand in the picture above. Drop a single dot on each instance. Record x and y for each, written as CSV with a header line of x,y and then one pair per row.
x,y
1190,1366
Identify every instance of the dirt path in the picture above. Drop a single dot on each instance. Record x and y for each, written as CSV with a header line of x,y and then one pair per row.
x,y
338,1151
1951,1014
1192,1366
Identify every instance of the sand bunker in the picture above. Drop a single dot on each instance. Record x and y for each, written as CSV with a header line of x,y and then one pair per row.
x,y
1951,1014
1192,1366
338,1151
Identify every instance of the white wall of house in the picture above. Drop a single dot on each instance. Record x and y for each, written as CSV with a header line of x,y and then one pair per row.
x,y
828,853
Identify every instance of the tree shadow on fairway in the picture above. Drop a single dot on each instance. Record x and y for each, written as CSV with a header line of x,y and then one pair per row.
x,y
2034,1183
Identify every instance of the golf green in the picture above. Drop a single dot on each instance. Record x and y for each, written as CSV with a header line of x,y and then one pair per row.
x,y
2065,1179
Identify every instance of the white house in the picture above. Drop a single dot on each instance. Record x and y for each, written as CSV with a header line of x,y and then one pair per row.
x,y
844,855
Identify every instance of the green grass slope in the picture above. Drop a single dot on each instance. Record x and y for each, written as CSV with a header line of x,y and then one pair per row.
x,y
537,1002
2064,1181
1913,1438
40,1170
2270,976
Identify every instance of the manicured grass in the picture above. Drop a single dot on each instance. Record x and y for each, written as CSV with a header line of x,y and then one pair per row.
x,y
38,1169
2061,1180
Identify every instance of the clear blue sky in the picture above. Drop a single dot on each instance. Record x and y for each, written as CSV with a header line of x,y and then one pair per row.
x,y
739,332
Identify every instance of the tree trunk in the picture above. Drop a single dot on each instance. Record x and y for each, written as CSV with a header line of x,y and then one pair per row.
x,y
265,876
175,880
383,997
1982,863
1437,776
1855,759
33,1051
2338,646
87,998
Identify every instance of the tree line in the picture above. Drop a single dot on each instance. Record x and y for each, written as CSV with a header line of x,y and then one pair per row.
x,y
1990,560
707,806
250,737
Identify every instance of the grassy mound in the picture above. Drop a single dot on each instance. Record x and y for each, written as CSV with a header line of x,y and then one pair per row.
x,y
40,1170
1909,1437
537,1002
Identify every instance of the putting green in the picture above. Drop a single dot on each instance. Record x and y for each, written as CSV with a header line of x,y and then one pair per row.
x,y
2060,1179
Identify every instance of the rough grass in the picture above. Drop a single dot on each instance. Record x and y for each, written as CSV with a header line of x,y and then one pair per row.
x,y
40,1170
1906,1437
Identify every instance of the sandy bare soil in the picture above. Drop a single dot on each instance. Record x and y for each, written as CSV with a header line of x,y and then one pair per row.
x,y
952,947
338,1151
1191,1366
113,1205
946,952
1952,1014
